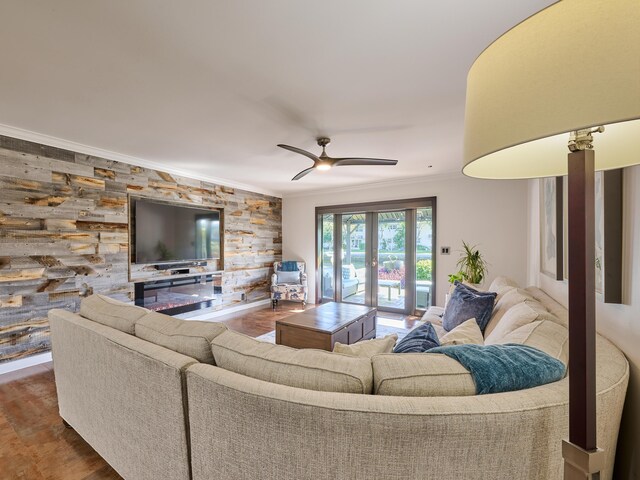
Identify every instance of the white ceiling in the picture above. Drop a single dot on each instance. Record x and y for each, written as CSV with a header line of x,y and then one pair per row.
x,y
211,86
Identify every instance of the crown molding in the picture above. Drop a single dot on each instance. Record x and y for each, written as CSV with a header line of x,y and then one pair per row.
x,y
398,182
41,138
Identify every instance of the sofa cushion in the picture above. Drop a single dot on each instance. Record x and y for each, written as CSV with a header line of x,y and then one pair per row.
x,y
420,375
504,302
306,368
466,332
420,339
112,313
520,314
466,303
545,335
368,348
188,337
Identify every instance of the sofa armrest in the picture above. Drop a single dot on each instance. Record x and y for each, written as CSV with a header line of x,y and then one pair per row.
x,y
303,278
274,279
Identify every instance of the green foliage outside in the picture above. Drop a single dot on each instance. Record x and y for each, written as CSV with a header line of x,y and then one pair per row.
x,y
423,270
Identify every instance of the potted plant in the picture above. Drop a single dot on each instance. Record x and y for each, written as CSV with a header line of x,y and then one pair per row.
x,y
472,268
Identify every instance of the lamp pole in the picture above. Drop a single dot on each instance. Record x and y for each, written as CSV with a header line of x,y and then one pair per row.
x,y
583,460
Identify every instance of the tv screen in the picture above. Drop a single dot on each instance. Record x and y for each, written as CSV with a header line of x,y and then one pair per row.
x,y
168,232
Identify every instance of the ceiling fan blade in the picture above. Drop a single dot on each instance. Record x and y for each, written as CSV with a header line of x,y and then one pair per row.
x,y
300,151
303,173
341,162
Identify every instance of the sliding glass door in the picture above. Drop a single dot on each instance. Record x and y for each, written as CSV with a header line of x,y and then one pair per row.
x,y
354,253
391,268
377,254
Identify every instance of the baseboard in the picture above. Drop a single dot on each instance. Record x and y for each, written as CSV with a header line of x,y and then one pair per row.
x,y
226,311
19,364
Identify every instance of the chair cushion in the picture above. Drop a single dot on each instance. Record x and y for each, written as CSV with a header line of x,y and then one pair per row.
x,y
520,314
348,272
466,332
305,368
368,348
466,303
112,313
188,337
420,375
288,277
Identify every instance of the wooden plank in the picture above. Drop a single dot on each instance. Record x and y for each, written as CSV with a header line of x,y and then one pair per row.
x,y
11,302
59,224
24,223
18,145
78,180
27,274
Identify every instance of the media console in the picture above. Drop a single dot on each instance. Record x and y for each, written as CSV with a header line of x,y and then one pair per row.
x,y
174,295
181,265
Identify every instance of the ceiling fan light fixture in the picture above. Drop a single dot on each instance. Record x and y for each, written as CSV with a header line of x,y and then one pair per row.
x,y
324,162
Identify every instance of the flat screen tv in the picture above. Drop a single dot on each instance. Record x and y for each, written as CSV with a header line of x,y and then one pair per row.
x,y
173,232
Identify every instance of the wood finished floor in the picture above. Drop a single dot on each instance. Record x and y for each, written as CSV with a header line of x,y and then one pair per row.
x,y
34,445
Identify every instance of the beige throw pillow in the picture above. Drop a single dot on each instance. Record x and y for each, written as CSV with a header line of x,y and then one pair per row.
x,y
466,332
520,314
504,303
502,281
368,348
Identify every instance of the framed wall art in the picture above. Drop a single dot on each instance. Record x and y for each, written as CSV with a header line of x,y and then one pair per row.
x,y
551,227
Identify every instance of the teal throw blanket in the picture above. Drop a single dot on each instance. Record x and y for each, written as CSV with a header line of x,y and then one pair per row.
x,y
505,368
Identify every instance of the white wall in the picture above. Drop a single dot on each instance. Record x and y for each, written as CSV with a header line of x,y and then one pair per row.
x,y
619,323
491,214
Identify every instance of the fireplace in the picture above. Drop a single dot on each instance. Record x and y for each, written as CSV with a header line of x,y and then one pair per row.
x,y
179,295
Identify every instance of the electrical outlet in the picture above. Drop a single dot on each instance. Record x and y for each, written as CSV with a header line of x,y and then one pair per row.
x,y
243,297
445,250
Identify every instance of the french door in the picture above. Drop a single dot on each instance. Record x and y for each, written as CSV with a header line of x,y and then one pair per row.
x,y
379,255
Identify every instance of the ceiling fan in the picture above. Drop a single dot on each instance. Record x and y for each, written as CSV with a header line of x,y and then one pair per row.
x,y
325,162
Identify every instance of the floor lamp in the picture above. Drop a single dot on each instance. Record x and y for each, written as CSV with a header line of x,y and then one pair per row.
x,y
566,76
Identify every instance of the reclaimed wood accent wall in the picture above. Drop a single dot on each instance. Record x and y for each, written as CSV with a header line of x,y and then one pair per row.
x,y
64,235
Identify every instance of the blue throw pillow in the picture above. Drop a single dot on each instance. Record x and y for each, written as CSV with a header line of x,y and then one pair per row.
x,y
465,303
418,340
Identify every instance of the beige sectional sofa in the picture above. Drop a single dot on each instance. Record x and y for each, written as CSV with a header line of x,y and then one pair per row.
x,y
164,398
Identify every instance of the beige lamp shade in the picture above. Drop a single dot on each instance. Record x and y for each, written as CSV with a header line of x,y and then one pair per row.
x,y
573,65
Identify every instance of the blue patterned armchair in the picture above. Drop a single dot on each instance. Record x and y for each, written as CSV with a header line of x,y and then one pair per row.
x,y
288,282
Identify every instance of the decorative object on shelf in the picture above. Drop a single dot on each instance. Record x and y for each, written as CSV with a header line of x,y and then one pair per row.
x,y
472,268
325,162
577,77
551,227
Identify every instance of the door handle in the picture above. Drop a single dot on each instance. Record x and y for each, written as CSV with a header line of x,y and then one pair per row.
x,y
374,263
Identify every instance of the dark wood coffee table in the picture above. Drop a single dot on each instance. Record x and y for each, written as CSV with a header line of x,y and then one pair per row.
x,y
323,326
